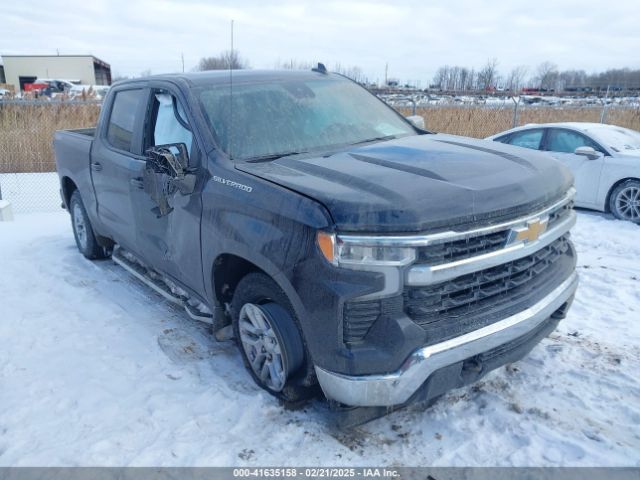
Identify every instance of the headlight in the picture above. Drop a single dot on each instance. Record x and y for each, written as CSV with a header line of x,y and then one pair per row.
x,y
344,252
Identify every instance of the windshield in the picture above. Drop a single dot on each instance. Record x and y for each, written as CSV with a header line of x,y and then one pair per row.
x,y
290,116
618,139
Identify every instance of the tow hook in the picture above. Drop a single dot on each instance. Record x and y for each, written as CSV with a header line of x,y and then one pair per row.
x,y
472,365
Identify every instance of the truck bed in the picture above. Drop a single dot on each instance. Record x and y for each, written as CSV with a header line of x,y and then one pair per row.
x,y
88,132
72,150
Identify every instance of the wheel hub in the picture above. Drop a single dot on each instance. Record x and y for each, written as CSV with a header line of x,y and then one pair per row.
x,y
262,347
79,225
628,203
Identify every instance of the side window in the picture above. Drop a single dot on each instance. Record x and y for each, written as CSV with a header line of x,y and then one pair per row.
x,y
168,122
566,141
122,119
527,139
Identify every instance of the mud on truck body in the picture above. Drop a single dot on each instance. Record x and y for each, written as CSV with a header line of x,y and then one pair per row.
x,y
339,244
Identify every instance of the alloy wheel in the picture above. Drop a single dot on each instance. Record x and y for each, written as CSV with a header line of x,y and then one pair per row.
x,y
262,347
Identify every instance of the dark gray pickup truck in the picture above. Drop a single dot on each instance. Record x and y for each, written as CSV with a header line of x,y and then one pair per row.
x,y
340,245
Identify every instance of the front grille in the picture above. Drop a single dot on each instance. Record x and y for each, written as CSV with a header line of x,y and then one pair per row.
x,y
560,214
461,249
455,250
478,299
449,309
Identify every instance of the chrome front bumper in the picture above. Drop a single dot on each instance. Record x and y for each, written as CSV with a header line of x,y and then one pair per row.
x,y
398,387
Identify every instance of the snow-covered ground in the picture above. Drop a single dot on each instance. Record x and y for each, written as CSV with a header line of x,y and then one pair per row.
x,y
96,369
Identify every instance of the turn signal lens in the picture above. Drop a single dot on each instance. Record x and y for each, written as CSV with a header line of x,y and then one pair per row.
x,y
327,243
341,251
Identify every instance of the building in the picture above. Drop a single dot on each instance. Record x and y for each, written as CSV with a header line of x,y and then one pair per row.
x,y
83,69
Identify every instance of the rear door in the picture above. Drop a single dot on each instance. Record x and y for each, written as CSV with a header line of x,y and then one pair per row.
x,y
561,143
117,162
530,138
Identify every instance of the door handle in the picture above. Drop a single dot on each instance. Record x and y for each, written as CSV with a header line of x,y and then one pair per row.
x,y
137,182
96,166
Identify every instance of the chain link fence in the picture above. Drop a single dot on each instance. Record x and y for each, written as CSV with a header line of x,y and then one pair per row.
x,y
480,121
27,166
28,176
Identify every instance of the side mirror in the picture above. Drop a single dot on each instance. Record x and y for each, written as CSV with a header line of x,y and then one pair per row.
x,y
589,152
417,121
172,159
167,171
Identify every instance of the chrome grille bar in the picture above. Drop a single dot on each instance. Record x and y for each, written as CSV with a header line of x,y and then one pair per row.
x,y
428,274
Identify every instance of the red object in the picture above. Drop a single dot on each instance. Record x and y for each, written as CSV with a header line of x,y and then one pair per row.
x,y
34,87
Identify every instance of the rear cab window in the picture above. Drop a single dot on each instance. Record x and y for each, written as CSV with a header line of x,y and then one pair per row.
x,y
120,128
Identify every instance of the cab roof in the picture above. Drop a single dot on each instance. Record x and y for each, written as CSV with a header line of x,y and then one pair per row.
x,y
222,77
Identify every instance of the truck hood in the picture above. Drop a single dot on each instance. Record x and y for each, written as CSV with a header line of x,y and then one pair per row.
x,y
421,183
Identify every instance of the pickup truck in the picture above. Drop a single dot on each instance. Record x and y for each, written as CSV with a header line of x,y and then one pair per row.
x,y
340,245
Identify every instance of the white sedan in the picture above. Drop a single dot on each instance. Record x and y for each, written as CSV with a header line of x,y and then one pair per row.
x,y
604,159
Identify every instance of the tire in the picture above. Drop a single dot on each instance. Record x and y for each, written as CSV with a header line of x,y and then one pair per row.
x,y
624,201
268,337
83,231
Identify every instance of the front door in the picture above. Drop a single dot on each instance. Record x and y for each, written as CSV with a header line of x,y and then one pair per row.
x,y
169,239
561,144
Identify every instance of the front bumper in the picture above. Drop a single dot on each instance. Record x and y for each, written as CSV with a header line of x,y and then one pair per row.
x,y
398,387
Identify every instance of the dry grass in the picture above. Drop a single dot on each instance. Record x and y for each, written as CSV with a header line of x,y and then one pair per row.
x,y
480,122
26,129
26,132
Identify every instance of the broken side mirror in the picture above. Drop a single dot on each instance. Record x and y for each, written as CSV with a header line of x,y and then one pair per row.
x,y
173,161
185,184
166,173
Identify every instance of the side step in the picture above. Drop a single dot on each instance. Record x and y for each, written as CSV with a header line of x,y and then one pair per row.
x,y
161,285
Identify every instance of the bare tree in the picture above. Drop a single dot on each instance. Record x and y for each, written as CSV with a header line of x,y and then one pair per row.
x,y
516,78
354,73
440,78
547,75
224,61
487,77
294,64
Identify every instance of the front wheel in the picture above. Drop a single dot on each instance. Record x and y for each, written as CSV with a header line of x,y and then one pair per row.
x,y
83,231
268,337
624,202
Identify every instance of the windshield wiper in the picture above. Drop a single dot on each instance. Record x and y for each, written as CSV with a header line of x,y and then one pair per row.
x,y
376,139
273,156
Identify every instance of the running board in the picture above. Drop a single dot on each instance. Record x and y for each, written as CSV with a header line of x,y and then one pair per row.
x,y
154,280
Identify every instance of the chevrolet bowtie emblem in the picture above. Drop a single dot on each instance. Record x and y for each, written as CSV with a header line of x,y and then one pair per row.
x,y
532,231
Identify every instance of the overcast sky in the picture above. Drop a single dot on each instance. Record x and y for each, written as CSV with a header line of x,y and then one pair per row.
x,y
415,38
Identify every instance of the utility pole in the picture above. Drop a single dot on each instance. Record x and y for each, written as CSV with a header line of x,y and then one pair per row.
x,y
182,57
386,71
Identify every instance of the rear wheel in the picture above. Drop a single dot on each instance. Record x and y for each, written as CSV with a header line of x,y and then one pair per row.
x,y
624,201
268,337
83,231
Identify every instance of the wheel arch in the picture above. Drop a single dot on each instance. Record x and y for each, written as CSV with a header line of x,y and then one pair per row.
x,y
607,201
68,187
228,270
